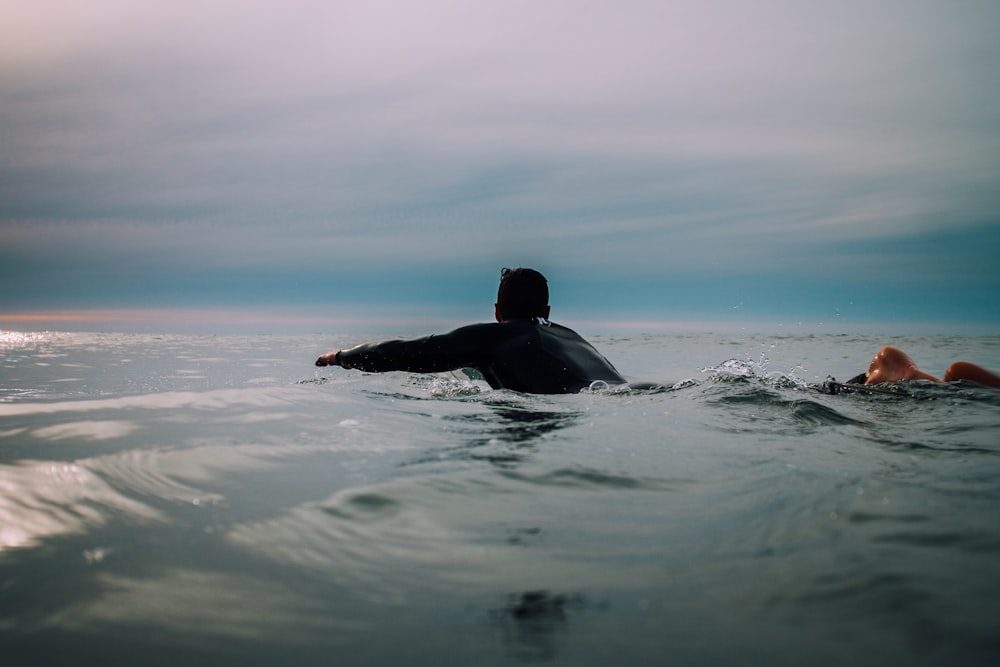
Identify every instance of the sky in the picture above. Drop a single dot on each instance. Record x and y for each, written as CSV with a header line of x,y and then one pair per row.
x,y
324,164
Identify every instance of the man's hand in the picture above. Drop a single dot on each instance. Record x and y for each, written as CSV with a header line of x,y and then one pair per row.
x,y
328,359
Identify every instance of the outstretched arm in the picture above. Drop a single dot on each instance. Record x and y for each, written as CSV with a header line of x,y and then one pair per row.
x,y
432,354
328,359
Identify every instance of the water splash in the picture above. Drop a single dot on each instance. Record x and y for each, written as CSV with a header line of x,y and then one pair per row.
x,y
747,369
453,385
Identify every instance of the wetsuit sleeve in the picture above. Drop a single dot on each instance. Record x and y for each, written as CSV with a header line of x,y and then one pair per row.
x,y
460,348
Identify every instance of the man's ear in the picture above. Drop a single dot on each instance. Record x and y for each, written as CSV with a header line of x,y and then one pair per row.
x,y
496,312
548,309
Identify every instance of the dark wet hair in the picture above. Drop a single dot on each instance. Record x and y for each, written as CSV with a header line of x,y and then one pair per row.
x,y
523,293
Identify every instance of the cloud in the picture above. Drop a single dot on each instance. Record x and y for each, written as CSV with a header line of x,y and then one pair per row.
x,y
149,153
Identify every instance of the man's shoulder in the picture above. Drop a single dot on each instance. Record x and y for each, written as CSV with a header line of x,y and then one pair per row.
x,y
478,330
476,327
556,328
507,328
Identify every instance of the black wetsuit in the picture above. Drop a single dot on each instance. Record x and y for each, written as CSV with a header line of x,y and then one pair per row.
x,y
527,355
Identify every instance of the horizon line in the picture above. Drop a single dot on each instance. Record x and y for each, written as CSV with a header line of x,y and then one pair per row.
x,y
287,319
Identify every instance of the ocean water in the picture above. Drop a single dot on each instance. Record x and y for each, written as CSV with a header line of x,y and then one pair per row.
x,y
193,500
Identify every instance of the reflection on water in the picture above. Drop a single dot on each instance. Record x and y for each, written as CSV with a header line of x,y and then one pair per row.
x,y
532,622
503,437
16,340
40,500
516,434
520,425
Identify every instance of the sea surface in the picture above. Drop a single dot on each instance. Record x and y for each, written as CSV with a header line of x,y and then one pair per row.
x,y
203,500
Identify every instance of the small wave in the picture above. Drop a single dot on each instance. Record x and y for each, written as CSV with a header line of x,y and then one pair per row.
x,y
861,517
749,383
812,412
600,387
454,386
742,392
734,368
172,400
87,430
156,475
742,370
891,442
889,591
363,506
967,541
316,380
590,478
777,405
41,500
921,390
952,391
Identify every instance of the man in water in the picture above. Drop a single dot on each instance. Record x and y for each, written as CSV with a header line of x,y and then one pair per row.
x,y
893,365
521,351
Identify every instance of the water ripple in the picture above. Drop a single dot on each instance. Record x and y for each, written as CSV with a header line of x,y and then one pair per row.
x,y
39,500
587,478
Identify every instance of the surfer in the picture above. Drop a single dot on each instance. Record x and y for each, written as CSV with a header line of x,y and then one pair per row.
x,y
522,350
891,364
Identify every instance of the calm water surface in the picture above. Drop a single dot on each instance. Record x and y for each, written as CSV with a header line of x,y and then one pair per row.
x,y
219,500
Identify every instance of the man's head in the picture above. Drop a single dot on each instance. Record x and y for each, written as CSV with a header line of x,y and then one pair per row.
x,y
523,293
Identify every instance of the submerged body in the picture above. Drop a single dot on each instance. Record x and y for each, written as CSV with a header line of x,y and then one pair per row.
x,y
530,355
